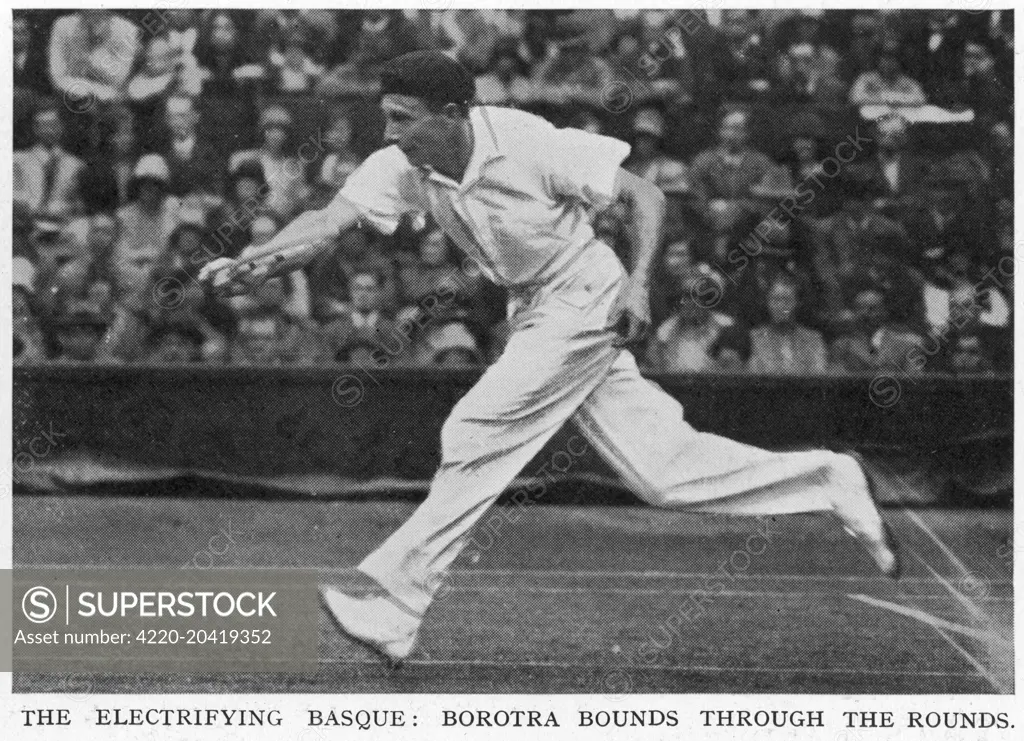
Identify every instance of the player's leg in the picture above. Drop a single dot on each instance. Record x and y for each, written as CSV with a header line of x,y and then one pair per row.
x,y
556,356
640,430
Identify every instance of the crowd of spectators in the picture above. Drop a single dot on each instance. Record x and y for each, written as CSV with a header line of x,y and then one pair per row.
x,y
839,183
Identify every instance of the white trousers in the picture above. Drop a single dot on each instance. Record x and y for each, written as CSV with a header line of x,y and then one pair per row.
x,y
560,364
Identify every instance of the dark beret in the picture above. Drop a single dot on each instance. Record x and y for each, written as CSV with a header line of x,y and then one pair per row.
x,y
430,75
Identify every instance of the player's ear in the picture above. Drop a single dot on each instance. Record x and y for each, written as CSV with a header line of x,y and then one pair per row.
x,y
452,111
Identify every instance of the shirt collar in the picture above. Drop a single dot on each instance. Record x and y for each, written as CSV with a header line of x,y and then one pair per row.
x,y
486,148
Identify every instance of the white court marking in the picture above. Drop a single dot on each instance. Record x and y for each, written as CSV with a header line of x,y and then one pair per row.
x,y
935,622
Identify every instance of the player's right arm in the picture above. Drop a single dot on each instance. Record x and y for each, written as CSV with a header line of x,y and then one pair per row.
x,y
372,194
295,246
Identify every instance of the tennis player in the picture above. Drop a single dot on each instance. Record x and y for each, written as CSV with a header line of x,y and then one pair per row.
x,y
513,192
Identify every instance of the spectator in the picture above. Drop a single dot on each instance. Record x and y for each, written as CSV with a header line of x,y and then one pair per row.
x,y
977,86
738,58
224,59
692,339
175,343
195,166
893,174
874,342
149,218
726,178
969,355
285,176
312,31
163,75
843,243
678,264
506,79
30,77
29,345
649,161
29,60
572,72
246,199
807,76
91,55
268,335
293,70
329,172
434,280
363,333
46,176
935,47
382,35
447,343
977,311
179,301
127,334
333,275
784,347
944,221
1000,157
466,35
78,337
97,235
803,159
297,302
886,84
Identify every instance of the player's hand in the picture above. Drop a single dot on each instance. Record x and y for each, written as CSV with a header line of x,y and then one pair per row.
x,y
228,277
630,316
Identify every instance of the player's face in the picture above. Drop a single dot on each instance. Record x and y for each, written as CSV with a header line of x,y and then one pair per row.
x,y
425,136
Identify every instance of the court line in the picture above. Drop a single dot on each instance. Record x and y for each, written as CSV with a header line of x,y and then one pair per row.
x,y
608,668
969,604
554,573
992,679
925,617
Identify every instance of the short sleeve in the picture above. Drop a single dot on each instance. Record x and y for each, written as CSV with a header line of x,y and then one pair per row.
x,y
581,165
375,188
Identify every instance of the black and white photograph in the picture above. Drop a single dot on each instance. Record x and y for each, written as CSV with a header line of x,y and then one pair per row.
x,y
538,352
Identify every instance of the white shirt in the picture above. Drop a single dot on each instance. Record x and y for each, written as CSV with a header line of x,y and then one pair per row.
x,y
520,211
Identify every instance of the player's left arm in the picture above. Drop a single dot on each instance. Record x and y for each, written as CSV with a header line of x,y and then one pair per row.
x,y
631,315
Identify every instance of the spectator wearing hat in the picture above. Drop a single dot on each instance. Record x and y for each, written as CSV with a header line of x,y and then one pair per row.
x,y
46,176
738,61
150,217
649,160
195,165
843,243
29,344
887,84
285,175
679,262
783,346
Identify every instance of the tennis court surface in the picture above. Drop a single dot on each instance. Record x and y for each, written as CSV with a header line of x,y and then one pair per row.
x,y
588,599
